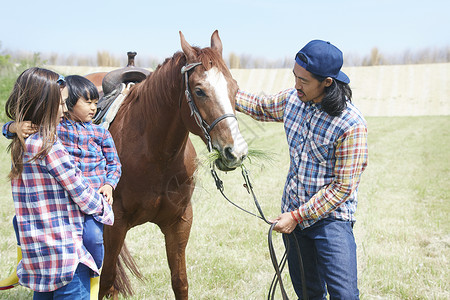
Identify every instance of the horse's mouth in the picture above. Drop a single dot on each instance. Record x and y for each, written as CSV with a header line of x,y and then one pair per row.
x,y
222,166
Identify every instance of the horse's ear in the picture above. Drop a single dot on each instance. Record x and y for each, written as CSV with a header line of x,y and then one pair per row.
x,y
187,49
216,43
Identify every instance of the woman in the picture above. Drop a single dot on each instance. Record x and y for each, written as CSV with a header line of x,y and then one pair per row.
x,y
50,196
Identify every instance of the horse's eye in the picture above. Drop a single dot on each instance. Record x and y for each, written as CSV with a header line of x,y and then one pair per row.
x,y
200,93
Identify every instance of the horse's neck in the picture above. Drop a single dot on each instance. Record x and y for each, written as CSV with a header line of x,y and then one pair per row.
x,y
158,113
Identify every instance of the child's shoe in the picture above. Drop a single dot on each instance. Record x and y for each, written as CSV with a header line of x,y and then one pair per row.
x,y
12,280
95,287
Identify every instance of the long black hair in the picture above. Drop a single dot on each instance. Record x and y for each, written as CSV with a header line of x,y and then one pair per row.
x,y
336,96
36,97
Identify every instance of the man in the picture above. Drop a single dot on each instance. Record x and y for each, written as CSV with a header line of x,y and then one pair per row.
x,y
327,139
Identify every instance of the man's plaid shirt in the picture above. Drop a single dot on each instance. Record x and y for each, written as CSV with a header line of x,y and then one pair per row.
x,y
327,154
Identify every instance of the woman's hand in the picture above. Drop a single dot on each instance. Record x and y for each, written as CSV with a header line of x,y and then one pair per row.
x,y
26,128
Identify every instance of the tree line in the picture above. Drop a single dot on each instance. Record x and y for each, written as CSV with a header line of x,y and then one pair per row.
x,y
233,60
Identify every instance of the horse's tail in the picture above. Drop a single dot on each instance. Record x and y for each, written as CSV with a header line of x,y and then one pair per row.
x,y
122,283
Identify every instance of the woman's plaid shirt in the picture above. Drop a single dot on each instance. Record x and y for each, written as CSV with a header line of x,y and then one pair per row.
x,y
92,148
51,198
327,154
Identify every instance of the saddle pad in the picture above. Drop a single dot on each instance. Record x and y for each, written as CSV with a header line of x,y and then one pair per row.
x,y
114,107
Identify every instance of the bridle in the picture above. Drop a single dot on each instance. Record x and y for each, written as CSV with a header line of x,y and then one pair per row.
x,y
206,128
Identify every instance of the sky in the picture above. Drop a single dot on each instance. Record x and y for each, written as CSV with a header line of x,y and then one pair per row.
x,y
271,29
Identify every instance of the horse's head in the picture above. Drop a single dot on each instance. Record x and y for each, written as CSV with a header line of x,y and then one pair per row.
x,y
210,94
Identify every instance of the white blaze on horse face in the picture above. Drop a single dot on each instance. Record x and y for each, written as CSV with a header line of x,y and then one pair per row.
x,y
217,80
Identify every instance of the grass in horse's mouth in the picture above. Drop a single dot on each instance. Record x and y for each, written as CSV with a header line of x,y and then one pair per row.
x,y
253,154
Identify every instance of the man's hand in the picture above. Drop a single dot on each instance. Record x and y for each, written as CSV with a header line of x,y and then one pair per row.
x,y
285,223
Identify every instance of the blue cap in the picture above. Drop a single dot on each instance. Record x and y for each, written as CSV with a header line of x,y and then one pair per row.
x,y
322,59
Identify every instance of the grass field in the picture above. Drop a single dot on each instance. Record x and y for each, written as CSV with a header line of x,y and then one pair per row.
x,y
402,232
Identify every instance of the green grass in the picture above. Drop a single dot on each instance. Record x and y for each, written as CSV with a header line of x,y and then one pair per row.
x,y
6,85
402,232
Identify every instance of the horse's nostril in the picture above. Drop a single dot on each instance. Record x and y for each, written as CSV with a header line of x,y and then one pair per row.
x,y
228,151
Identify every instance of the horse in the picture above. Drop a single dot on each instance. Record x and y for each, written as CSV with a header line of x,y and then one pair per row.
x,y
191,92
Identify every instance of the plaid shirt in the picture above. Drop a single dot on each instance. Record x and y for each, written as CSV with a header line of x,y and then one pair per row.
x,y
51,198
94,151
327,154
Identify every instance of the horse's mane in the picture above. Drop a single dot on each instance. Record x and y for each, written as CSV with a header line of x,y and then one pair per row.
x,y
158,89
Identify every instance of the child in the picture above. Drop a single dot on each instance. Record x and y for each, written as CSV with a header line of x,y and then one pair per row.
x,y
94,152
93,149
51,197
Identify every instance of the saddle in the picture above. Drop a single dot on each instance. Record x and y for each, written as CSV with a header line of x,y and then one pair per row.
x,y
116,85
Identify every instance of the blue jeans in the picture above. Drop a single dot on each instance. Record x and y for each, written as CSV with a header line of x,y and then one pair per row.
x,y
328,252
16,229
93,239
79,288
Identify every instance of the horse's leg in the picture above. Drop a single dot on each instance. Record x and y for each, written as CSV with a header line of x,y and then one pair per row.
x,y
176,237
114,238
